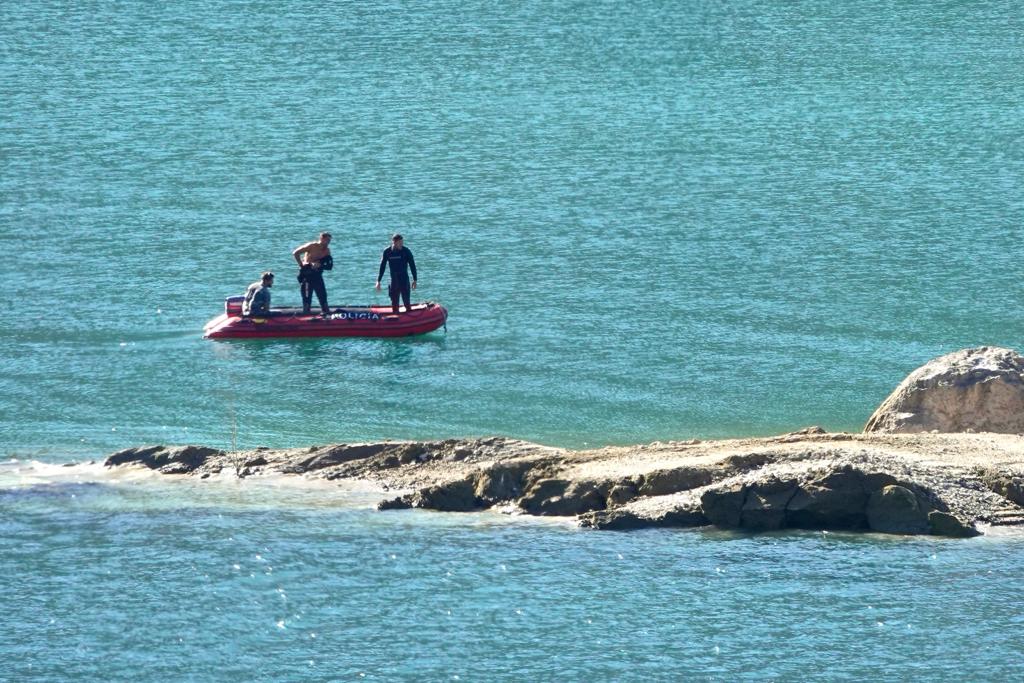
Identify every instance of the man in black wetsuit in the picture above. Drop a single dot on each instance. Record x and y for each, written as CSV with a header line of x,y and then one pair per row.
x,y
399,260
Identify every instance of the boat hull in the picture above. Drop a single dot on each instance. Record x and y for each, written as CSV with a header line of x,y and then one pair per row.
x,y
345,321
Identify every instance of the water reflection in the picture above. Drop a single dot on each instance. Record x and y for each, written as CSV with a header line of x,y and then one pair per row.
x,y
401,350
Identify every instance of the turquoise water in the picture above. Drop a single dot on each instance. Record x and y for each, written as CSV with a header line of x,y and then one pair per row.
x,y
649,220
221,581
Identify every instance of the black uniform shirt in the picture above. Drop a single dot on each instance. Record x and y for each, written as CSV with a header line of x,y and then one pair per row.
x,y
399,262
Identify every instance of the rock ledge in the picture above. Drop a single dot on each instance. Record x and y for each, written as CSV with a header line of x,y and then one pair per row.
x,y
939,484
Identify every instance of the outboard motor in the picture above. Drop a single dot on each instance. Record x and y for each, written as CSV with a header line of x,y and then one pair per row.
x,y
233,305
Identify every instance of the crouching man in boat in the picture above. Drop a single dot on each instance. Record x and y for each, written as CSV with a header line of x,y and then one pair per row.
x,y
313,259
399,260
257,296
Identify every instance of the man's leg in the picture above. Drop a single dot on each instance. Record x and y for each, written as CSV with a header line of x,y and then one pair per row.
x,y
406,295
321,293
393,293
307,295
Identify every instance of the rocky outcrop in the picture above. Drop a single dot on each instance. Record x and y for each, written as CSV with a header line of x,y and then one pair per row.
x,y
165,459
893,478
940,484
671,480
1006,485
833,500
560,497
894,509
945,524
503,481
973,390
624,519
775,494
843,499
456,496
838,498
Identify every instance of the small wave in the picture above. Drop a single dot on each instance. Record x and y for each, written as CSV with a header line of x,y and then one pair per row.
x,y
990,531
139,487
15,473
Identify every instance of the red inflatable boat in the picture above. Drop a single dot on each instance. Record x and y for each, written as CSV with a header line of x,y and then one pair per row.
x,y
344,321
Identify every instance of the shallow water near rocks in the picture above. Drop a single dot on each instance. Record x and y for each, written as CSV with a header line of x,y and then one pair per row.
x,y
257,581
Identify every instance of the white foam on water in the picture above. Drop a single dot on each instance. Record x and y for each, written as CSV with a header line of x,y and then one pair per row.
x,y
24,473
154,488
991,532
136,487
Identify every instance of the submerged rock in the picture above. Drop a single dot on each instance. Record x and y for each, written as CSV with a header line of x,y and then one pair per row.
x,y
978,389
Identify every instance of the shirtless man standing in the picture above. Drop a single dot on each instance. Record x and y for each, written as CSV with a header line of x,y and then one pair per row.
x,y
313,259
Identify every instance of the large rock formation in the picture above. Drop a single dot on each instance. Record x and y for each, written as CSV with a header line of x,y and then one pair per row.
x,y
935,483
939,484
839,497
979,389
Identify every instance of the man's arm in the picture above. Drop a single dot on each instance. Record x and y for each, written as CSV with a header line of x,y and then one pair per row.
x,y
300,251
247,302
412,266
383,265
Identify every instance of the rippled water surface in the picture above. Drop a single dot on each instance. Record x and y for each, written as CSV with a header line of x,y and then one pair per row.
x,y
243,581
649,220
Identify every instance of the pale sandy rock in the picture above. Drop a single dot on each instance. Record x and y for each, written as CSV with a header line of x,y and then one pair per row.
x,y
972,390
